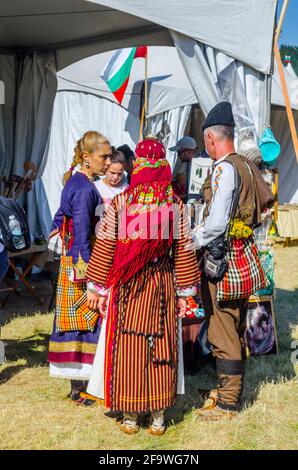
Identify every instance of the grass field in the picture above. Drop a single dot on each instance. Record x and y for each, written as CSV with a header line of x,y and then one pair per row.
x,y
35,413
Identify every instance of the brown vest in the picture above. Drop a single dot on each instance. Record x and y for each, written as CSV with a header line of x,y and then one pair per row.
x,y
248,208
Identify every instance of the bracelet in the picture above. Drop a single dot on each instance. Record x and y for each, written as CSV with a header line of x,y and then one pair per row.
x,y
187,291
96,289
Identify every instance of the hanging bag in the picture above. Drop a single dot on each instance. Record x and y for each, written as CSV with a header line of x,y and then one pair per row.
x,y
72,313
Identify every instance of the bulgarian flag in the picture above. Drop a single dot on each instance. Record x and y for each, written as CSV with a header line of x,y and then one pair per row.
x,y
116,72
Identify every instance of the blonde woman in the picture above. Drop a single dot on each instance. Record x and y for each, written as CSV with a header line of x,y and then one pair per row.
x,y
73,343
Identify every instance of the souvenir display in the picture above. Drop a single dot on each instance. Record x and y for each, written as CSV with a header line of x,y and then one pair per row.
x,y
260,334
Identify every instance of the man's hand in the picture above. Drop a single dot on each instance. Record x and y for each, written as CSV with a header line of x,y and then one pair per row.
x,y
181,306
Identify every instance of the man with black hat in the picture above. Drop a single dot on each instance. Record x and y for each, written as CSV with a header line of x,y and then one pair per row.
x,y
229,275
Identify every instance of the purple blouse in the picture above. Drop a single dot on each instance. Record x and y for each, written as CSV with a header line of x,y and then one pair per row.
x,y
79,200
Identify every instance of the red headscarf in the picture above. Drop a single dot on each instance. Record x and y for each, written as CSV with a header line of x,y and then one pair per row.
x,y
146,220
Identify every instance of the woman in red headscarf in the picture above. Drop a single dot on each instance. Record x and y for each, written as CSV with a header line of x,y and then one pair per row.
x,y
141,256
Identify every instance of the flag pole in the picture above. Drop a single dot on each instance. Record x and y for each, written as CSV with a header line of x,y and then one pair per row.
x,y
143,123
146,85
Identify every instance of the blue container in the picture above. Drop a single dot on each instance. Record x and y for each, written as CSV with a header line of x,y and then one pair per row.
x,y
270,148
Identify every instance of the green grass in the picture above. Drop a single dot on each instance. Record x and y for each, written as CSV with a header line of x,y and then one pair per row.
x,y
35,413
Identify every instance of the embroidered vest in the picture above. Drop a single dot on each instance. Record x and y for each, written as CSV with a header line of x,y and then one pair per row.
x,y
248,208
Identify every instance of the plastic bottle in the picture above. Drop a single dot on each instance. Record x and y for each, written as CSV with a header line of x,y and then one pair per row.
x,y
15,228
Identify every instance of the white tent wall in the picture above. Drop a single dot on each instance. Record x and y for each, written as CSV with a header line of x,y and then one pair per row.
x,y
170,126
75,113
287,163
277,97
197,70
214,76
73,29
84,102
291,71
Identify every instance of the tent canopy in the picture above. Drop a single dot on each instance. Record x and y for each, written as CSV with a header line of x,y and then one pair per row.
x,y
78,28
169,90
291,71
39,38
169,86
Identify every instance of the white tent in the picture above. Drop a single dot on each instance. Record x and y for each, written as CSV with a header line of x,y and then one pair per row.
x,y
84,102
287,163
291,71
39,37
166,73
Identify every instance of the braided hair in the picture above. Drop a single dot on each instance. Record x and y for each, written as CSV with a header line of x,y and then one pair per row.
x,y
89,142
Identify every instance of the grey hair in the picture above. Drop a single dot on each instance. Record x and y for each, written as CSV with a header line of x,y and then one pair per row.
x,y
223,132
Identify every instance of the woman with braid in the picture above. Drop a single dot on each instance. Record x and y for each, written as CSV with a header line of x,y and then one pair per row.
x,y
73,343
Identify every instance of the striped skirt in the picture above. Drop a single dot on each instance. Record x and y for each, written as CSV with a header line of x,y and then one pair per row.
x,y
141,344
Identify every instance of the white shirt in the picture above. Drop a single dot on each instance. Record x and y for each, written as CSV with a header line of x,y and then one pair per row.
x,y
215,224
107,193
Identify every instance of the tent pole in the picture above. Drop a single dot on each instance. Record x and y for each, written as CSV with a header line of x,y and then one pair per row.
x,y
281,19
286,97
283,80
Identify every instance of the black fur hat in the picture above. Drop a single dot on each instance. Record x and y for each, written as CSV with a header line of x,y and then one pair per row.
x,y
221,114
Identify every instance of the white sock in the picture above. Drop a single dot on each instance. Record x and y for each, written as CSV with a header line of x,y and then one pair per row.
x,y
131,416
158,418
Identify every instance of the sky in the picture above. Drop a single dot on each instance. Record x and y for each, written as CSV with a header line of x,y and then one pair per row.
x,y
289,34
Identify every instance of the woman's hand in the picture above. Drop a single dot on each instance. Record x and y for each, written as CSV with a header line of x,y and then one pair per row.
x,y
181,306
92,300
102,305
